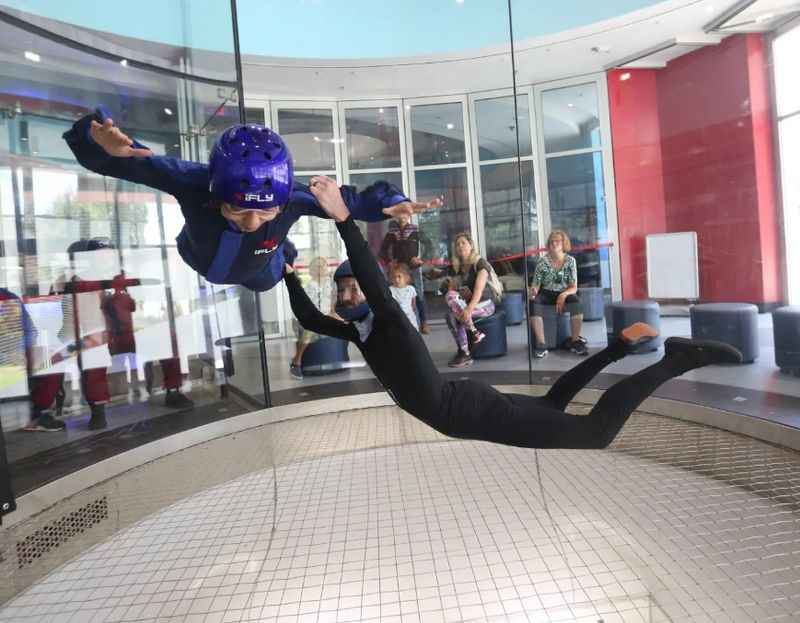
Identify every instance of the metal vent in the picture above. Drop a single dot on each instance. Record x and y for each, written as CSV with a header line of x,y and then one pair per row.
x,y
60,531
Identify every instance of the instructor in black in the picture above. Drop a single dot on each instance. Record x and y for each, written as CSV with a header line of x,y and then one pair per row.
x,y
469,409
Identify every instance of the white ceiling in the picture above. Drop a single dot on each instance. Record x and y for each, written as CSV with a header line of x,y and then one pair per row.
x,y
576,52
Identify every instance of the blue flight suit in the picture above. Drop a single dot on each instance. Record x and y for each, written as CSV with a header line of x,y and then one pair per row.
x,y
209,243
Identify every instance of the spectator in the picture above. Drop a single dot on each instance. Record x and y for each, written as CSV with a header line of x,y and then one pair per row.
x,y
404,293
404,244
555,283
321,292
479,288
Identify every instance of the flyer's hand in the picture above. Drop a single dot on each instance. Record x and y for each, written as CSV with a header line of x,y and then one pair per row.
x,y
327,193
114,142
409,208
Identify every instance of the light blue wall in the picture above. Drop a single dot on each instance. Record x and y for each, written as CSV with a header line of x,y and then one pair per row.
x,y
333,28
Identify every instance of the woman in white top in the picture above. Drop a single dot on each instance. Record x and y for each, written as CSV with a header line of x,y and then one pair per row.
x,y
321,292
403,292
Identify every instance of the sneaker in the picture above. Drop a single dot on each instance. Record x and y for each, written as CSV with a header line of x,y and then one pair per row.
x,y
425,328
540,351
702,352
176,400
477,337
45,423
296,371
461,360
579,348
98,419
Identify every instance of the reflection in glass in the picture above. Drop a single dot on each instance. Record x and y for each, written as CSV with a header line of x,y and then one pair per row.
x,y
571,118
373,137
497,135
375,232
438,133
577,205
441,226
309,134
789,134
501,213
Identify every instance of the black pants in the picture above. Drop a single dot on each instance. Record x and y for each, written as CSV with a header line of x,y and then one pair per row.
x,y
473,410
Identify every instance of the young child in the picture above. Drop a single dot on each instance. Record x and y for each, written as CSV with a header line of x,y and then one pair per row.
x,y
457,304
404,293
320,290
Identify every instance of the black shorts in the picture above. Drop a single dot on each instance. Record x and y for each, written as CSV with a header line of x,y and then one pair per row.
x,y
548,298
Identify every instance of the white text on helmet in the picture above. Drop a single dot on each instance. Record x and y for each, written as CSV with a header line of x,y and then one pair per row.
x,y
257,197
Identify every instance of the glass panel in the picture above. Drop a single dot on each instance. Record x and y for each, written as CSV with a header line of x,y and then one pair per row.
x,y
571,118
314,236
309,134
789,132
375,232
497,136
254,115
500,189
785,52
577,206
438,133
373,137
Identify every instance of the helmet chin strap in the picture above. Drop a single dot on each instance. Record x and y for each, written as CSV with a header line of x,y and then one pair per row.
x,y
353,313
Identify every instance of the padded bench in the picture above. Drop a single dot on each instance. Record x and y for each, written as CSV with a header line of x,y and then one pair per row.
x,y
786,330
621,314
733,323
325,356
495,344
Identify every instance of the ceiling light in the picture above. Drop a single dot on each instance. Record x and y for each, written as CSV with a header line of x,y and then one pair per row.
x,y
570,105
765,17
124,62
710,9
32,56
380,110
450,126
625,76
168,112
459,1
600,49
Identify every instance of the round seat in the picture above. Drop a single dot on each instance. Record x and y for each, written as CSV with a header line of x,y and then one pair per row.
x,y
495,344
557,328
786,330
514,307
621,314
593,302
325,356
732,323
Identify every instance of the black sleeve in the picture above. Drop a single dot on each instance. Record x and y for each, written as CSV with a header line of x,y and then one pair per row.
x,y
311,318
365,267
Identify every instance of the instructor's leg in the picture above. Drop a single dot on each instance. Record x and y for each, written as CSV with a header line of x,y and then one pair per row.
x,y
575,379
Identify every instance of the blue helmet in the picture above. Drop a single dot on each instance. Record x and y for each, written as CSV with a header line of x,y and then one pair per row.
x,y
343,271
250,167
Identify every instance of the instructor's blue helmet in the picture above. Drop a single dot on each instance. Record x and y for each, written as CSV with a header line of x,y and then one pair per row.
x,y
343,271
251,168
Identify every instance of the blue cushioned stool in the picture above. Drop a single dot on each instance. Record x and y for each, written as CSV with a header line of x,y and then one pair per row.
x,y
495,344
786,329
325,356
621,314
592,301
733,323
514,307
557,327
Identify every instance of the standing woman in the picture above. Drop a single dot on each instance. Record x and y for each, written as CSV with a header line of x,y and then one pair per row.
x,y
473,273
555,283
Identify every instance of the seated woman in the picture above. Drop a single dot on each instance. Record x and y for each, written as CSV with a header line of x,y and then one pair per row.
x,y
473,273
555,283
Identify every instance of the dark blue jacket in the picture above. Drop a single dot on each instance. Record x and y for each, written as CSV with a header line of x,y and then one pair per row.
x,y
207,241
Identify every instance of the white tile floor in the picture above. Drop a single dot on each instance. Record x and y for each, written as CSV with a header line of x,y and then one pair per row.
x,y
677,522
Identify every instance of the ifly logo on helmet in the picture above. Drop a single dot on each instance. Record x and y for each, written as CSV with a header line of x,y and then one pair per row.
x,y
265,198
